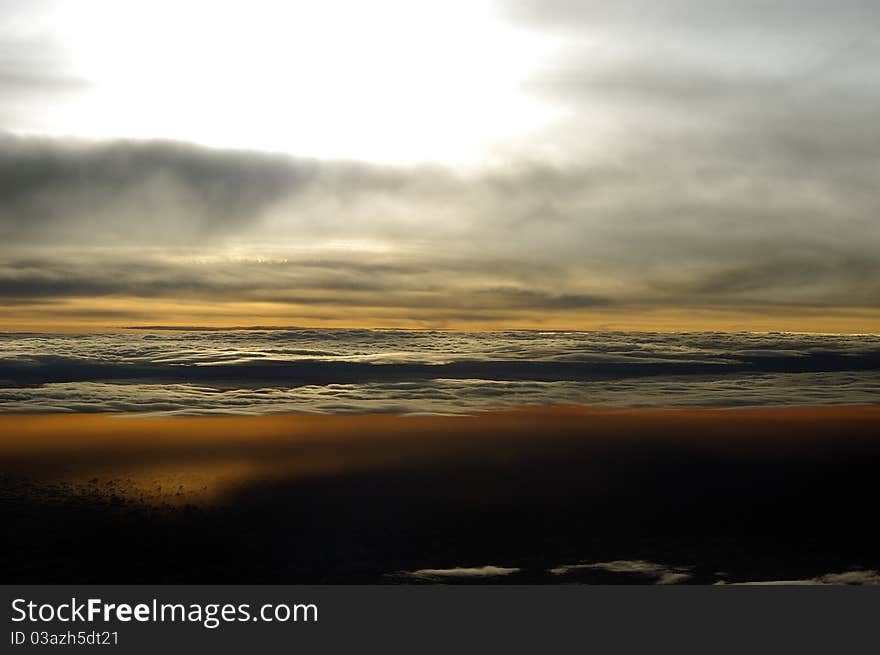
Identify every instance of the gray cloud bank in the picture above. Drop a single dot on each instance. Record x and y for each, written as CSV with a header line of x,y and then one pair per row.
x,y
167,219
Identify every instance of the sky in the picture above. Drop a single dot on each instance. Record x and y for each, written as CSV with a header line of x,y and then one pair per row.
x,y
685,165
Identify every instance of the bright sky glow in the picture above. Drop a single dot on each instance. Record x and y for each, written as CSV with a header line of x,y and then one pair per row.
x,y
389,81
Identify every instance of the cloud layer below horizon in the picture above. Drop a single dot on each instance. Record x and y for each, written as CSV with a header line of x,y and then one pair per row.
x,y
179,372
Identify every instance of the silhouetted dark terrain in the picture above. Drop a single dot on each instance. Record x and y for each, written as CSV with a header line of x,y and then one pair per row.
x,y
717,495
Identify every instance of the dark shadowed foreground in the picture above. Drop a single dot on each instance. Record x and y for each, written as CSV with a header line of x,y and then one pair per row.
x,y
536,495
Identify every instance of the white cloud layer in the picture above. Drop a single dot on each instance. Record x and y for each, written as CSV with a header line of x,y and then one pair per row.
x,y
174,372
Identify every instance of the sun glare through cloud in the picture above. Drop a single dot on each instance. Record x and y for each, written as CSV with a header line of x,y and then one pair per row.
x,y
389,81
